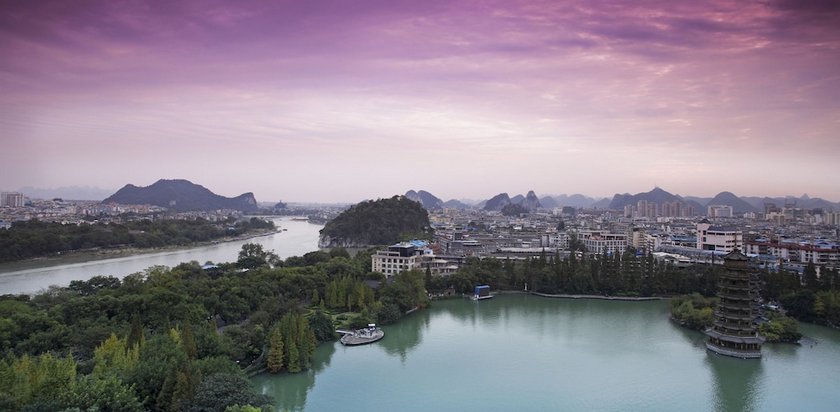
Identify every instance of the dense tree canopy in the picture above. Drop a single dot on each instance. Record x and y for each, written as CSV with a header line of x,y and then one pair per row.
x,y
33,238
153,339
378,222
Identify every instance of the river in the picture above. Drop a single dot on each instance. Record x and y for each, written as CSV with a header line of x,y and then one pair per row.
x,y
521,352
299,238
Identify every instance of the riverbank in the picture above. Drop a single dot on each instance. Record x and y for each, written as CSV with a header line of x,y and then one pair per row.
x,y
598,297
92,255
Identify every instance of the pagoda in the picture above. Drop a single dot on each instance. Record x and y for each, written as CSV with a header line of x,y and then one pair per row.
x,y
734,331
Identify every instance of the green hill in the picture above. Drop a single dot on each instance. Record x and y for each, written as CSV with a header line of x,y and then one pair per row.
x,y
377,222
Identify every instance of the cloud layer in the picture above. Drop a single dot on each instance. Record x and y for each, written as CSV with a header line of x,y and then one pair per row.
x,y
338,101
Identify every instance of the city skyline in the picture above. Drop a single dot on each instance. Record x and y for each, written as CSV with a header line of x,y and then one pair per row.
x,y
339,102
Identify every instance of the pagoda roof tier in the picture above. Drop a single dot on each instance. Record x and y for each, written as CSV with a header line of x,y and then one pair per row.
x,y
742,305
735,326
742,316
741,287
735,297
734,339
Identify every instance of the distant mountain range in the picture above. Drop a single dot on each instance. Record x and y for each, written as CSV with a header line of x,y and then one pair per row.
x,y
181,195
428,200
497,203
803,201
740,205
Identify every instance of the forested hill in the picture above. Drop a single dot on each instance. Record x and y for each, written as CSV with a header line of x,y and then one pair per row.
x,y
377,222
181,195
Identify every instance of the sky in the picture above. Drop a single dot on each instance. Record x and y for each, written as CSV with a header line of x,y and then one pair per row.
x,y
339,101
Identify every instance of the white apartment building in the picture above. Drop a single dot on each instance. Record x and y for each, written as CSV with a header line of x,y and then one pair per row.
x,y
719,211
597,241
395,259
11,199
717,238
407,256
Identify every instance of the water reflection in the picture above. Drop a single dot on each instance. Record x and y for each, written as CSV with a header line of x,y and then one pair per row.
x,y
738,383
403,336
782,350
290,393
487,312
695,338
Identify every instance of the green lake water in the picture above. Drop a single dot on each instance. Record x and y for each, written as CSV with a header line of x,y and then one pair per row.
x,y
521,352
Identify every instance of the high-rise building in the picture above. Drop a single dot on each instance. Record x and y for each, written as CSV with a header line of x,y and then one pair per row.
x,y
719,211
11,199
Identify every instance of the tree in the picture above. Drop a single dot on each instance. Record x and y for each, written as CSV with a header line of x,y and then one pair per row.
x,y
188,342
294,364
136,337
103,393
219,391
113,356
154,366
253,256
41,379
274,359
322,326
780,329
809,276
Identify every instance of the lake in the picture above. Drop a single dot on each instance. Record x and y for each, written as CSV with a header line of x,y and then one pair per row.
x,y
522,352
299,238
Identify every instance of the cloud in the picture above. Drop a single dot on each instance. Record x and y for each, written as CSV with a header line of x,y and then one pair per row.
x,y
563,80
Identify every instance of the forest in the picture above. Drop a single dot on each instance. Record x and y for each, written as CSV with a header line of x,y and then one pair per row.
x,y
186,338
34,238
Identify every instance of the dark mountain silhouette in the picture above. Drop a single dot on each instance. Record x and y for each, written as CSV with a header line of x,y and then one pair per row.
x,y
601,204
455,204
577,200
656,195
804,201
428,200
181,195
517,199
702,201
548,202
739,206
531,201
699,208
496,203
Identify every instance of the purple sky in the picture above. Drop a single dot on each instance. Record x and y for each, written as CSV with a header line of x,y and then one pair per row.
x,y
346,100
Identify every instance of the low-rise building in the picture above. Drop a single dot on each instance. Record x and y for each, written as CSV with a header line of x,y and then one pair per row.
x,y
597,241
395,259
415,254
